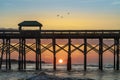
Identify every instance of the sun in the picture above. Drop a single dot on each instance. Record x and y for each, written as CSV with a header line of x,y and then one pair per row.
x,y
60,61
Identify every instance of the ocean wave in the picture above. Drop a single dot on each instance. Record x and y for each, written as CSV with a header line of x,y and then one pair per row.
x,y
44,76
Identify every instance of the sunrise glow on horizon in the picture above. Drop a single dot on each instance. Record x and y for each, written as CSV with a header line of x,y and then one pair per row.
x,y
60,61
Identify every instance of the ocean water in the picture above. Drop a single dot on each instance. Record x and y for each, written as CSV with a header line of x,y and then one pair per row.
x,y
77,71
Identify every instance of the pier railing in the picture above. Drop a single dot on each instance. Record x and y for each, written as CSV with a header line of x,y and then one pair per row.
x,y
62,32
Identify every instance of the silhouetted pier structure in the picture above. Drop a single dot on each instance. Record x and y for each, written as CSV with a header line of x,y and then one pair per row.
x,y
7,48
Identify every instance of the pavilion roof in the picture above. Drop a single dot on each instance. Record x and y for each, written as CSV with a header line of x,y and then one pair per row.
x,y
30,23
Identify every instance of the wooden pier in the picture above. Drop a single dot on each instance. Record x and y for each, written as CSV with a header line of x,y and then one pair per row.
x,y
7,48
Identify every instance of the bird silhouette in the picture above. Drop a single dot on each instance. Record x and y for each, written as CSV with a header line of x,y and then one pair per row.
x,y
68,13
58,15
61,16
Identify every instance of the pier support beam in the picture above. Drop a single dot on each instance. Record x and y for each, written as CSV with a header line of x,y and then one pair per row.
x,y
99,60
114,54
54,53
37,53
1,59
24,53
101,54
6,55
117,52
8,62
69,62
40,59
85,54
20,50
9,57
69,55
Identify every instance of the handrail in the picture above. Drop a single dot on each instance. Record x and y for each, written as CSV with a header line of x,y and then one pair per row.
x,y
62,31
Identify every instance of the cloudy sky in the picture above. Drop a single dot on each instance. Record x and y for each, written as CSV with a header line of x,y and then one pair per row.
x,y
62,14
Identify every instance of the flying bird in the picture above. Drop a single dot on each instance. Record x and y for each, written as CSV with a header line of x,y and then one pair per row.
x,y
58,15
68,13
61,16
